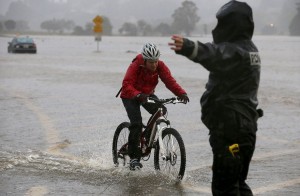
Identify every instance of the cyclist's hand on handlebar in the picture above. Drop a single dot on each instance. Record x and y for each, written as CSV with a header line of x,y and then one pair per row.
x,y
142,97
184,98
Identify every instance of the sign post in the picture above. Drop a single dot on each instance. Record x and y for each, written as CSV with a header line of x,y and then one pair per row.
x,y
98,29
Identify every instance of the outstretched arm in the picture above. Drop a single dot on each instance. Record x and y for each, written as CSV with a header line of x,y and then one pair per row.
x,y
211,56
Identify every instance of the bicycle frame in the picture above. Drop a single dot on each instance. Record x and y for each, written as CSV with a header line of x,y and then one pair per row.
x,y
154,124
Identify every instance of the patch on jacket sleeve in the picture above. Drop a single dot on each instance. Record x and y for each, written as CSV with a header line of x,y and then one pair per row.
x,y
254,58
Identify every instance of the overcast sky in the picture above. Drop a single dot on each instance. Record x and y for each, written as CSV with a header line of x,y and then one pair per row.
x,y
156,11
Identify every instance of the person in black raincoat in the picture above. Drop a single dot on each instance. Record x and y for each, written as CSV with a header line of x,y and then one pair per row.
x,y
229,104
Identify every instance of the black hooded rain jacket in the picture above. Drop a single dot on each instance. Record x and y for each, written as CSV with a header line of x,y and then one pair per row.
x,y
233,62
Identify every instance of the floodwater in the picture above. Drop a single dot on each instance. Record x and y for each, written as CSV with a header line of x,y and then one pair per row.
x,y
58,113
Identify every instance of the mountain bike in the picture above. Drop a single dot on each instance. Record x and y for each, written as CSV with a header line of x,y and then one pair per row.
x,y
169,149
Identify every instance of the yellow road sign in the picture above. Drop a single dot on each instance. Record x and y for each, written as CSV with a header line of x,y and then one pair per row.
x,y
98,28
98,19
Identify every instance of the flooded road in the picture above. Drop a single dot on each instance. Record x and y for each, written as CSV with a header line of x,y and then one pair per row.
x,y
58,114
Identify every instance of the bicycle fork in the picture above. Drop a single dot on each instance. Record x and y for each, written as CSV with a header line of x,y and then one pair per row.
x,y
160,130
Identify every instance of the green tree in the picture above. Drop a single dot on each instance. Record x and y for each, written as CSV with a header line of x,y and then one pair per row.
x,y
295,23
129,29
107,27
78,30
46,25
1,27
164,29
55,25
10,24
144,28
185,18
148,30
89,28
68,25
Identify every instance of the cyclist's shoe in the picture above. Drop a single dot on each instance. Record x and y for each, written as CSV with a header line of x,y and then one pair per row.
x,y
135,164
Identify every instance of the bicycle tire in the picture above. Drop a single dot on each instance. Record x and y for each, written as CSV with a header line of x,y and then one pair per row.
x,y
175,167
120,142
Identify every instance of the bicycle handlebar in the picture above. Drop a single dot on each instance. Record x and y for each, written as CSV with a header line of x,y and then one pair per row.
x,y
172,100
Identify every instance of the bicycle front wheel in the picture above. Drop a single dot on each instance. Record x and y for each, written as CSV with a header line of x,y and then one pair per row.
x,y
120,144
173,161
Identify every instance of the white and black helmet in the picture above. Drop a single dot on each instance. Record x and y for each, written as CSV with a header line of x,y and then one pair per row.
x,y
150,52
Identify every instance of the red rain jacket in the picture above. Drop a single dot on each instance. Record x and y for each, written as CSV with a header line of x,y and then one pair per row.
x,y
138,79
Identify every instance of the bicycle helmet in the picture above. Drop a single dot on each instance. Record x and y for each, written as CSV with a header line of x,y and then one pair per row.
x,y
150,52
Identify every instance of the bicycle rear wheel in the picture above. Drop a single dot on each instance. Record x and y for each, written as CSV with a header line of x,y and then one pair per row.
x,y
120,144
174,162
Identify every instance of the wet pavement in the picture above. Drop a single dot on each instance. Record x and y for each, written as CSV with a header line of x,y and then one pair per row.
x,y
58,113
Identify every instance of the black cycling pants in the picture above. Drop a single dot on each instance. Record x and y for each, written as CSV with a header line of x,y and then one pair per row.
x,y
133,109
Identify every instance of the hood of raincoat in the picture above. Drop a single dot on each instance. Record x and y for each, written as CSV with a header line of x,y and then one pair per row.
x,y
235,22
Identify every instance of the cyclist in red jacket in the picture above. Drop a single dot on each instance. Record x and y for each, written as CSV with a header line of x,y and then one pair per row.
x,y
139,83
